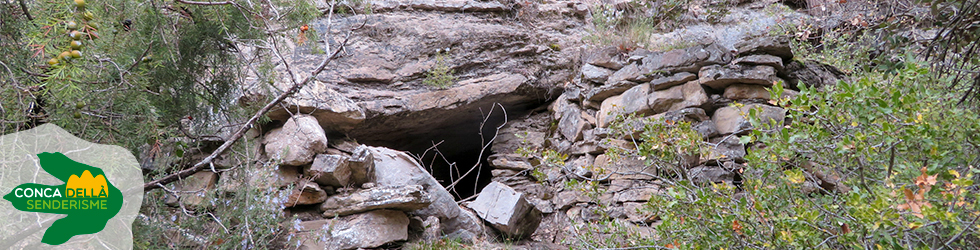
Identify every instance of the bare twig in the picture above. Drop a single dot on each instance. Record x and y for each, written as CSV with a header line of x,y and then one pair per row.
x,y
485,145
205,163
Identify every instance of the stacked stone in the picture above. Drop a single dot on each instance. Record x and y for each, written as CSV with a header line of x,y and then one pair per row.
x,y
695,85
347,195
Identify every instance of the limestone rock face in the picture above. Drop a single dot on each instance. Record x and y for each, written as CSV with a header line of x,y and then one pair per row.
x,y
366,230
404,198
297,142
506,210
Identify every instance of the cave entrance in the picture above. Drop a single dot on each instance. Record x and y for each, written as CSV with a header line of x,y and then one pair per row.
x,y
453,145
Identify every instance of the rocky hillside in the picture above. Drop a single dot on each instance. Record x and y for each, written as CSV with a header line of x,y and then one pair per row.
x,y
375,154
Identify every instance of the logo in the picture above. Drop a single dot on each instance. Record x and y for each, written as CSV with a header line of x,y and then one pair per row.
x,y
87,197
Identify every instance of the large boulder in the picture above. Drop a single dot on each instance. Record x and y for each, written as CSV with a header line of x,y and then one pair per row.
x,y
396,168
507,210
297,142
366,230
404,198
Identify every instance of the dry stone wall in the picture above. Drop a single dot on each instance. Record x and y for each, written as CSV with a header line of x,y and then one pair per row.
x,y
696,84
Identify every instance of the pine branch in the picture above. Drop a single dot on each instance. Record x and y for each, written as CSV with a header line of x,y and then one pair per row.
x,y
206,162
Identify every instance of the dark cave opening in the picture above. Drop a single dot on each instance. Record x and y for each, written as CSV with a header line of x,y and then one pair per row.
x,y
449,143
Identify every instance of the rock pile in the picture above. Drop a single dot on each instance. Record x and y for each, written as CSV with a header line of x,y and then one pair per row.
x,y
695,84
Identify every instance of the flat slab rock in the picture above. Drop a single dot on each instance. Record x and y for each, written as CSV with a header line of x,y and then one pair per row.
x,y
367,230
404,198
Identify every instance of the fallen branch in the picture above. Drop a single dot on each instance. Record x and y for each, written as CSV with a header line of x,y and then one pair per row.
x,y
205,163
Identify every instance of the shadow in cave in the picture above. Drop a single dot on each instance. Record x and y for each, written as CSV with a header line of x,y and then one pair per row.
x,y
452,144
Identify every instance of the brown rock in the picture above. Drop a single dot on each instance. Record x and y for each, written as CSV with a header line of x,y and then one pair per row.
x,y
306,193
678,97
746,91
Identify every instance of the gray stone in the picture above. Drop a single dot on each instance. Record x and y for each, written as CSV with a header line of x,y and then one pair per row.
x,y
673,80
506,210
639,212
772,45
608,57
629,73
405,198
706,175
729,120
361,163
582,166
568,198
608,90
572,124
432,229
595,74
813,74
366,230
396,168
329,170
610,108
297,142
724,148
707,129
625,167
634,100
509,161
306,193
636,193
684,60
718,77
768,60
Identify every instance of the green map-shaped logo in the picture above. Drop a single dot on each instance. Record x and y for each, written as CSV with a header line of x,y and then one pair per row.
x,y
87,197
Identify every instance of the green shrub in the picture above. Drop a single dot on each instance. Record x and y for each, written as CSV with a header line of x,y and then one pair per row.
x,y
441,75
905,149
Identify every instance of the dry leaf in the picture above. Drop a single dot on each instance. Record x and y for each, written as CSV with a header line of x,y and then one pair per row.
x,y
737,227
